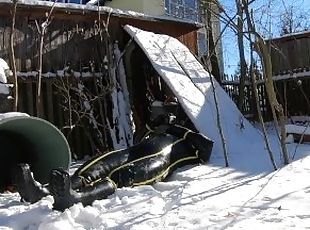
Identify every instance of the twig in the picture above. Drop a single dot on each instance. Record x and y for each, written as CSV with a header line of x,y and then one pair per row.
x,y
219,123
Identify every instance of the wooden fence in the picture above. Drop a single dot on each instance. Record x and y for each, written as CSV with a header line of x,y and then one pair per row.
x,y
293,94
56,109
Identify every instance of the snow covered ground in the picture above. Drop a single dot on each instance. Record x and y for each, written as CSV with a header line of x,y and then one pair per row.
x,y
244,196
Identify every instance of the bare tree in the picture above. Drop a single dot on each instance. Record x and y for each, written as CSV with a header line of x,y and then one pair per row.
x,y
253,73
79,103
243,65
293,20
212,59
276,108
42,28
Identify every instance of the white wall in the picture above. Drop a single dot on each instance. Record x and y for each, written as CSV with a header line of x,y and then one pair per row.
x,y
154,7
134,5
150,7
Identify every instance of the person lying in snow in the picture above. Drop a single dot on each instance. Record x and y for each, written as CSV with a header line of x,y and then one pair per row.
x,y
164,148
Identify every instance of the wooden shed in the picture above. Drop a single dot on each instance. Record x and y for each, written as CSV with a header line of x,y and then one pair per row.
x,y
71,34
73,44
290,52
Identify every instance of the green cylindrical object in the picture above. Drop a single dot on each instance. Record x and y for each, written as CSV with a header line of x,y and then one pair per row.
x,y
49,147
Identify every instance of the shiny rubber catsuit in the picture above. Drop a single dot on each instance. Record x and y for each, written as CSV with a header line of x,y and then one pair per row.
x,y
152,160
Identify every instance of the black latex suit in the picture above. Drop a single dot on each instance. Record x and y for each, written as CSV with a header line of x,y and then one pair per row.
x,y
161,151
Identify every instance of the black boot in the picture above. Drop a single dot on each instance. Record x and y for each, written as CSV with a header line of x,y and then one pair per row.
x,y
65,197
29,189
98,191
60,188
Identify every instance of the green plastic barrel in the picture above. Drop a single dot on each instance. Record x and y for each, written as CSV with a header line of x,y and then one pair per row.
x,y
49,147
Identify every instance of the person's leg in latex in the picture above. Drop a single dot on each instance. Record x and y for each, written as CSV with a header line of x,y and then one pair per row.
x,y
65,196
30,190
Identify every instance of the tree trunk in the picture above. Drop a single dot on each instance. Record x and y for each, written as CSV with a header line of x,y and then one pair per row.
x,y
15,106
243,65
215,70
256,97
39,85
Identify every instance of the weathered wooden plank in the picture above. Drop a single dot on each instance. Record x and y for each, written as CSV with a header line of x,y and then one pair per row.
x,y
49,101
65,41
276,57
2,28
301,51
286,59
78,142
307,46
6,41
29,97
60,110
22,107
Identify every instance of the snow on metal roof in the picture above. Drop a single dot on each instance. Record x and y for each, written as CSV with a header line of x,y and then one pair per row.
x,y
292,35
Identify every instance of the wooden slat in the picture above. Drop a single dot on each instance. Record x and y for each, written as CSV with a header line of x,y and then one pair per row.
x,y
30,99
21,99
2,28
6,41
49,101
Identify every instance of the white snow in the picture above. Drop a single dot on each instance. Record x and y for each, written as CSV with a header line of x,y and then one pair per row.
x,y
279,77
4,72
59,73
297,129
9,115
289,76
293,35
247,195
122,123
